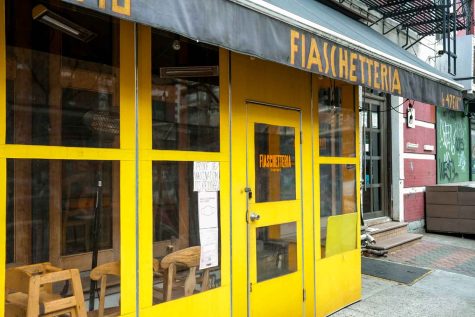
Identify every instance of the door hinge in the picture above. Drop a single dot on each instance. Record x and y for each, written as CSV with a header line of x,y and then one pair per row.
x,y
250,287
304,294
301,134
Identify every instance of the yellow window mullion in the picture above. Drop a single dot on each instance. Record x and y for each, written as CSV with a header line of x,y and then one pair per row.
x,y
3,74
128,173
3,231
145,167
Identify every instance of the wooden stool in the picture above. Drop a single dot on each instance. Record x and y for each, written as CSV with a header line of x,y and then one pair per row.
x,y
28,295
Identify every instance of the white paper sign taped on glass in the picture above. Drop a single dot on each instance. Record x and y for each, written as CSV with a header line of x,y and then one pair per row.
x,y
206,176
209,239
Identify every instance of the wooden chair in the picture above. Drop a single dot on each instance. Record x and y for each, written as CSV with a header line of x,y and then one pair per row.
x,y
100,273
30,294
189,260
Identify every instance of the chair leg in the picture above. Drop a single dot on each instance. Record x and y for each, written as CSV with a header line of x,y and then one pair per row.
x,y
205,281
190,281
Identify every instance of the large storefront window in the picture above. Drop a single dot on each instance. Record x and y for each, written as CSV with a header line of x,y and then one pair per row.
x,y
65,91
338,212
336,122
184,219
185,94
62,213
337,208
63,203
185,117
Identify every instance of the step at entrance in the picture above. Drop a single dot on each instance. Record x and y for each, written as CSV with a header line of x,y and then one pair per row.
x,y
391,235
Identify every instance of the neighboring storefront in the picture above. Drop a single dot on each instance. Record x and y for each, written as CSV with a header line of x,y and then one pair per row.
x,y
453,147
206,170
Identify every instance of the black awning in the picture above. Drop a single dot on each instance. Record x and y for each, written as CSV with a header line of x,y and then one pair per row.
x,y
300,33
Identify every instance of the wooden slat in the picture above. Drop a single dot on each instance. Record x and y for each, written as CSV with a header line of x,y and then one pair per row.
x,y
57,305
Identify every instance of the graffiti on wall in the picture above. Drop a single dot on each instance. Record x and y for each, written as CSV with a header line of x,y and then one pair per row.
x,y
452,147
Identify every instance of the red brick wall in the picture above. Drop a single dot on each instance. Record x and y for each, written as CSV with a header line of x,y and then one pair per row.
x,y
421,136
414,205
424,112
419,172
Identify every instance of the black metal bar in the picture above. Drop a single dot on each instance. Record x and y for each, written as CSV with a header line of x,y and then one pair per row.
x,y
388,4
438,20
464,78
407,37
414,43
454,56
95,233
444,30
449,39
401,23
377,21
414,10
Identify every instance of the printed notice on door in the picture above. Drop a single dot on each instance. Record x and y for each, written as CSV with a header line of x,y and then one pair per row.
x,y
208,209
206,176
209,239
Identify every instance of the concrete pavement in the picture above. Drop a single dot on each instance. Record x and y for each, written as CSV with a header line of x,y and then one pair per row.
x,y
448,290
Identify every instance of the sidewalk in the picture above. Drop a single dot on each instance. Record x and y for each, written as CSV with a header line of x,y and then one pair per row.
x,y
449,290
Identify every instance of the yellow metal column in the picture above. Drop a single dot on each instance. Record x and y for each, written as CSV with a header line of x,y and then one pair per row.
x,y
128,198
3,164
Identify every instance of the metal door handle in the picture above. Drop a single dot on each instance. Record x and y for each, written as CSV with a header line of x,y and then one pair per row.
x,y
253,216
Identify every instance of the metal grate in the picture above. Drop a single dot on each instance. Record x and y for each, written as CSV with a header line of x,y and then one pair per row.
x,y
426,17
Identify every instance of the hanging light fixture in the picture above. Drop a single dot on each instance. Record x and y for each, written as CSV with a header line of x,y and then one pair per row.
x,y
42,14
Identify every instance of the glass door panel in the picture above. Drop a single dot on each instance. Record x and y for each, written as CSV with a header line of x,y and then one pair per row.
x,y
274,212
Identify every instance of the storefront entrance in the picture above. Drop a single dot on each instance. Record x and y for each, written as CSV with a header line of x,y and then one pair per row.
x,y
274,212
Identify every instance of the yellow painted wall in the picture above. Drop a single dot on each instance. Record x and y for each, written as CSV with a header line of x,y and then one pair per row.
x,y
258,80
337,279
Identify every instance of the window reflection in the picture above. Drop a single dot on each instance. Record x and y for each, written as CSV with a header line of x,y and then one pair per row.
x,y
177,239
62,91
336,122
274,162
337,195
52,206
185,95
276,250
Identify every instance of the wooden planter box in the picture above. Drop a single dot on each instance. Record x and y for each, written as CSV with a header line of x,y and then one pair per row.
x,y
451,208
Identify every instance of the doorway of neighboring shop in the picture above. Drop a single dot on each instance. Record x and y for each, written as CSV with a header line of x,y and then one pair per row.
x,y
374,157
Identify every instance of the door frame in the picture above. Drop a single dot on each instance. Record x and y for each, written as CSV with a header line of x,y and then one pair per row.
x,y
250,188
379,102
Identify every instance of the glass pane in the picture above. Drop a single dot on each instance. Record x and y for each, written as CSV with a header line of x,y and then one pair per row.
x,y
185,94
376,198
375,144
185,229
66,90
337,193
82,181
276,250
275,162
52,218
376,175
337,122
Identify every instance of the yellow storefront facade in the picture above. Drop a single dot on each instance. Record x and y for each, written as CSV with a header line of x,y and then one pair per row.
x,y
201,181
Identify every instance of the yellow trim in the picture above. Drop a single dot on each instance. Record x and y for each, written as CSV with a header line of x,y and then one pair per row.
x,y
127,237
3,231
156,155
329,283
65,153
198,303
338,160
145,167
128,234
3,74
